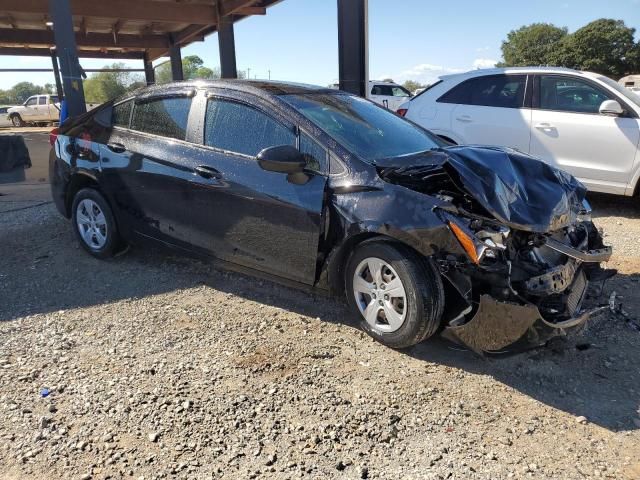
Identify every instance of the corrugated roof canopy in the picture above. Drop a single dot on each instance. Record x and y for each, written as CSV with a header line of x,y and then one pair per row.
x,y
119,28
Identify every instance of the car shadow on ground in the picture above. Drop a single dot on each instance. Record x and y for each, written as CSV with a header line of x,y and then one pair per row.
x,y
596,375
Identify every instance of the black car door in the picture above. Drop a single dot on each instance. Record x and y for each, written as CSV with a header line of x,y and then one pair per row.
x,y
146,167
256,218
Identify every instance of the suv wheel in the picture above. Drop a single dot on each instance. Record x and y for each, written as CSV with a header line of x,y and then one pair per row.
x,y
94,224
397,294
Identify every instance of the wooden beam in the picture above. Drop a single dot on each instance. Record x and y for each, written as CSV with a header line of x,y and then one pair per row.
x,y
229,7
45,52
246,11
148,10
10,37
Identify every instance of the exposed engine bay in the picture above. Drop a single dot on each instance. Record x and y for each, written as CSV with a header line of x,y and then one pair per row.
x,y
531,247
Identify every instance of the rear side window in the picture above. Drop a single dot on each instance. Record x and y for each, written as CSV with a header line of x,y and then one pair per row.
x,y
382,90
568,95
166,117
121,114
239,128
504,91
42,100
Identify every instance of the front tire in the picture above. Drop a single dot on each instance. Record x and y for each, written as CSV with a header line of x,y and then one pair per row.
x,y
16,120
94,224
397,294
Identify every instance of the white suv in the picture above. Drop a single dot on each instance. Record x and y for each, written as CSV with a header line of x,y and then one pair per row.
x,y
582,122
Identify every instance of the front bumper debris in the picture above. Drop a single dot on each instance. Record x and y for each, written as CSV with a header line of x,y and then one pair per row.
x,y
591,256
497,325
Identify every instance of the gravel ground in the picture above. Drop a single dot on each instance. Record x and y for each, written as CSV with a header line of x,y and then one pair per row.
x,y
158,366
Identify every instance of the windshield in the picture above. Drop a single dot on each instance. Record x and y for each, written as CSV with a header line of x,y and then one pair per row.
x,y
625,92
369,131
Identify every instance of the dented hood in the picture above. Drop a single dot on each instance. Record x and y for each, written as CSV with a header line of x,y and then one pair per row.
x,y
518,190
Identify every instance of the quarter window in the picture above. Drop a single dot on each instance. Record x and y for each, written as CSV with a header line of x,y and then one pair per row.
x,y
121,114
239,128
503,91
165,116
570,95
314,153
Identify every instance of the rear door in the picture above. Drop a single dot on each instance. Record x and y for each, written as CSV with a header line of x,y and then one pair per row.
x,y
381,94
568,131
146,164
491,110
255,218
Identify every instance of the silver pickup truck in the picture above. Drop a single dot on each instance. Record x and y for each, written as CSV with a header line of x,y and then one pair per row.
x,y
37,109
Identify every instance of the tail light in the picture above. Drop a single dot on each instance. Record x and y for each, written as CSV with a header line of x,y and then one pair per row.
x,y
53,136
402,111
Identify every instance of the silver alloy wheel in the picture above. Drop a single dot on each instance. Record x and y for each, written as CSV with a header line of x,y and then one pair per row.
x,y
92,224
16,121
380,295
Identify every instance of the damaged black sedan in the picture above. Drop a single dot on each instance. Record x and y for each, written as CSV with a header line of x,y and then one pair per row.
x,y
321,189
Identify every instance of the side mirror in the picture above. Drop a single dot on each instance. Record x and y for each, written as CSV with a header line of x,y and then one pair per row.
x,y
611,108
281,159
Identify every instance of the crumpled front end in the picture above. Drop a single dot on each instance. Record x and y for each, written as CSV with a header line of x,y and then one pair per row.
x,y
531,247
523,287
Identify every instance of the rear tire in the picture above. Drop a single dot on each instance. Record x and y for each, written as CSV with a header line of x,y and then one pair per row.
x,y
94,224
397,294
16,120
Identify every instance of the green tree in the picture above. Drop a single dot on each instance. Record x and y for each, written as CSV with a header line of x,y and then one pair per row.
x,y
531,45
23,90
103,86
192,68
412,85
605,46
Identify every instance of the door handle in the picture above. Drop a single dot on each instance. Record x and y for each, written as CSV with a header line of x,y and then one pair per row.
x,y
207,172
116,147
464,118
544,126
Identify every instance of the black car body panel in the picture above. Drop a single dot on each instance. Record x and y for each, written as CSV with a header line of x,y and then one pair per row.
x,y
302,229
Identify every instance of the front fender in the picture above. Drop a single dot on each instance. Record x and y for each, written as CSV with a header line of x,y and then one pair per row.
x,y
392,212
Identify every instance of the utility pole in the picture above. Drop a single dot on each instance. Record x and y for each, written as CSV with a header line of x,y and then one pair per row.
x,y
248,74
269,74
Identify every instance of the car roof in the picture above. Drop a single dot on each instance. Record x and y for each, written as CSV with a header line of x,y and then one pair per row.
x,y
515,70
382,82
256,87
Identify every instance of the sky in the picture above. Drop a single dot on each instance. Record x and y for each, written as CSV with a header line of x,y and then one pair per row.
x,y
408,39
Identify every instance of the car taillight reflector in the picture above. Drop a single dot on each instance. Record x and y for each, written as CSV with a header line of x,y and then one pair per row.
x,y
402,111
53,136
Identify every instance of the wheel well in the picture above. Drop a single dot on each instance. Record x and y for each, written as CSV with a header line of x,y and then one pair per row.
x,y
77,183
447,139
338,263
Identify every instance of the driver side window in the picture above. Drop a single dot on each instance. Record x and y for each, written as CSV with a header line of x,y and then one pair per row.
x,y
32,101
566,94
239,128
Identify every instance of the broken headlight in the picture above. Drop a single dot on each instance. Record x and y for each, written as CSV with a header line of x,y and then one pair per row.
x,y
479,239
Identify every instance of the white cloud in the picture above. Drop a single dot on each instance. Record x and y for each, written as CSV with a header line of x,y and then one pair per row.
x,y
484,63
427,73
